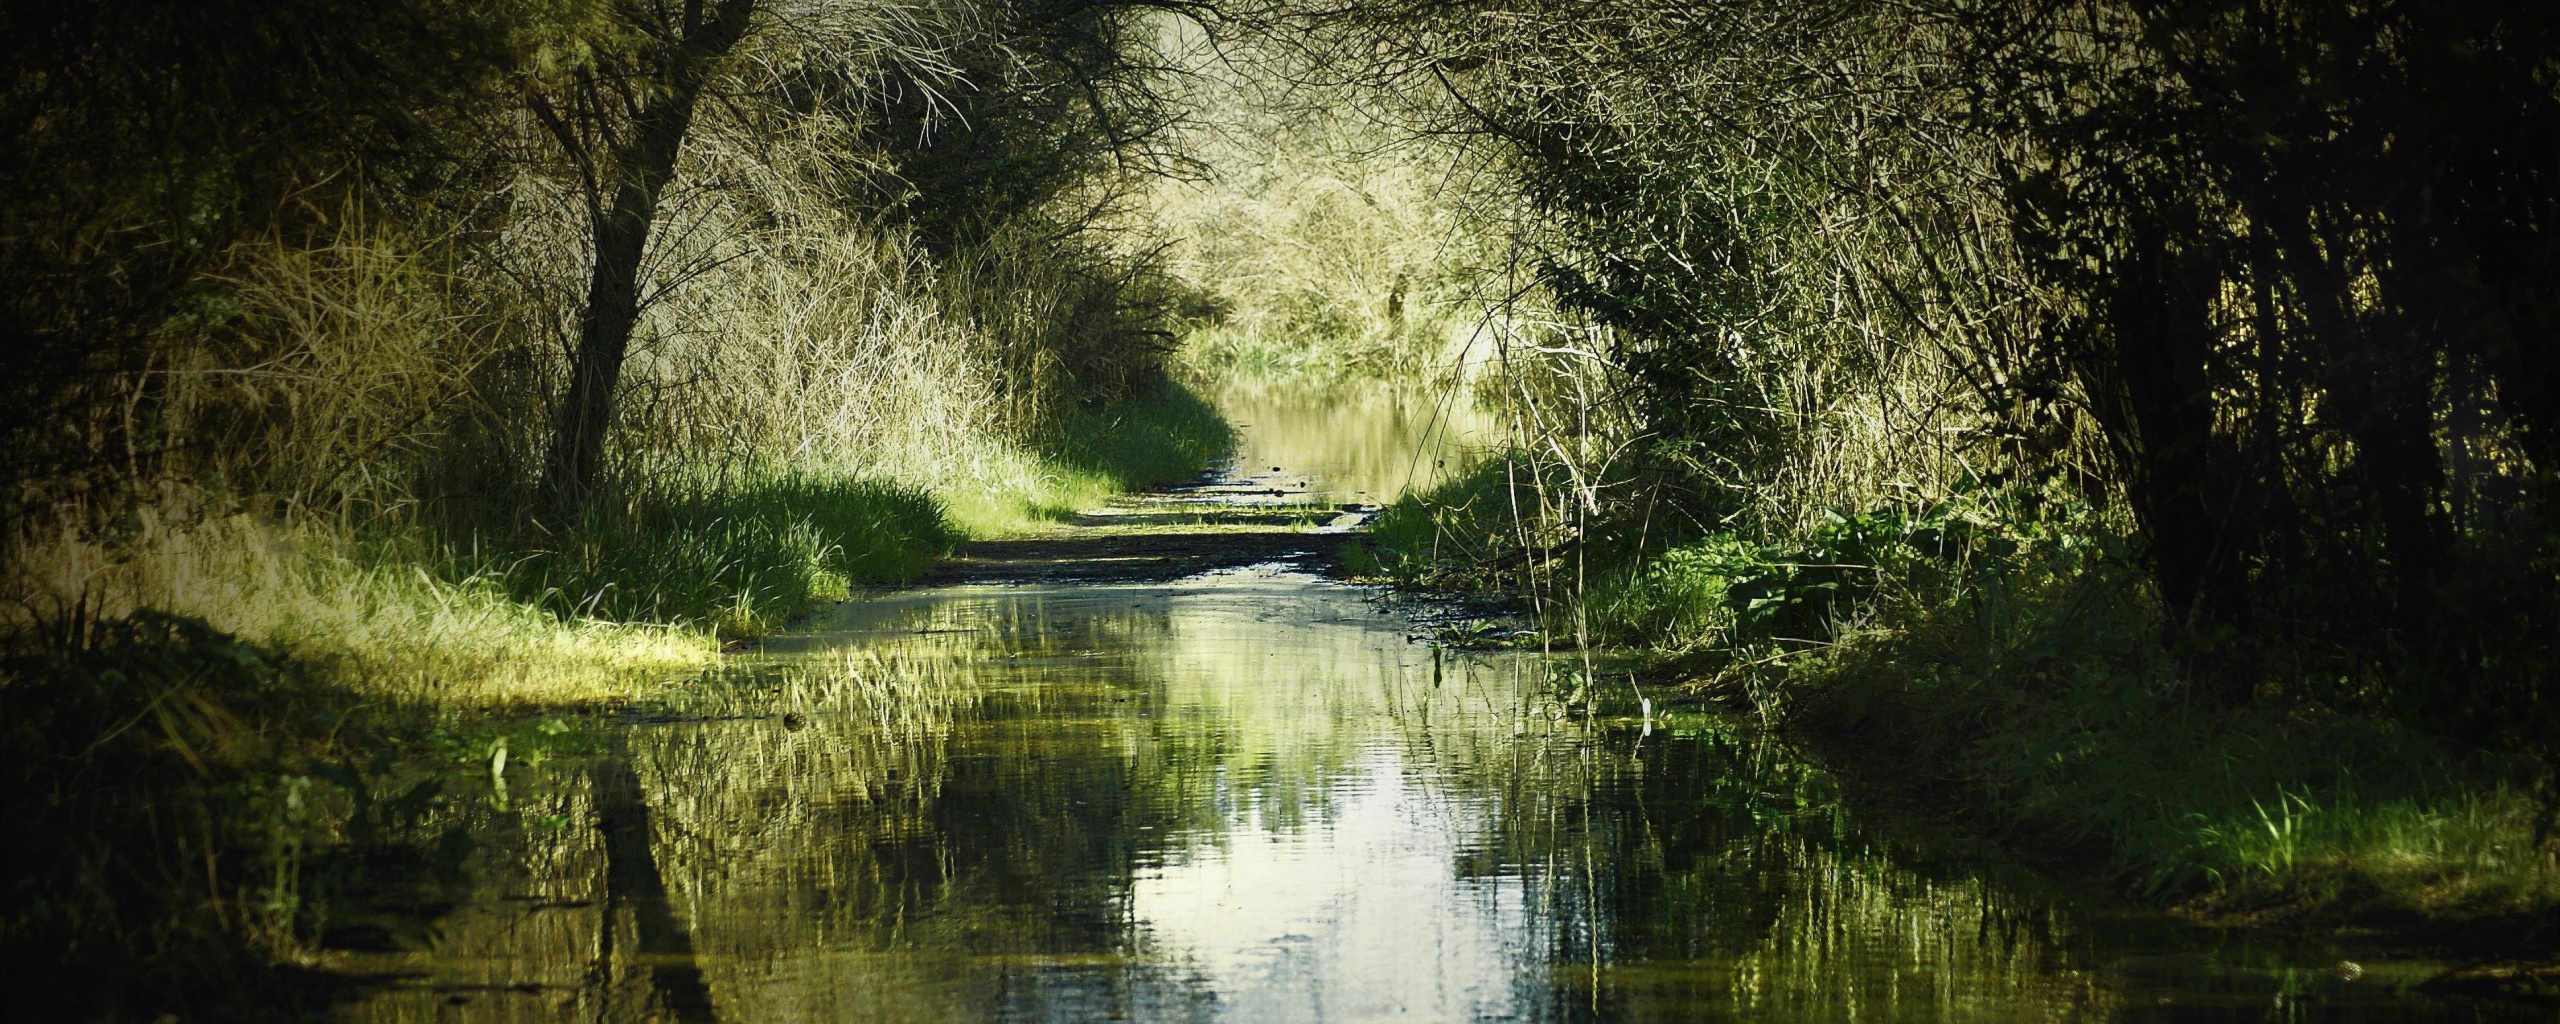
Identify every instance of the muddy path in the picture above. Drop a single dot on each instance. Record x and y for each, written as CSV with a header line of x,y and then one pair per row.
x,y
1231,518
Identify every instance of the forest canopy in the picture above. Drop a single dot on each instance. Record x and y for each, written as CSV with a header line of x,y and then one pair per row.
x,y
2134,414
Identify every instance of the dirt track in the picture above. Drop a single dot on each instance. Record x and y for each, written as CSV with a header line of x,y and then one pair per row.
x,y
1166,535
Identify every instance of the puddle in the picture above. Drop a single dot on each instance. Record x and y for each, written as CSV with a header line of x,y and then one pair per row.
x,y
1249,797
1351,442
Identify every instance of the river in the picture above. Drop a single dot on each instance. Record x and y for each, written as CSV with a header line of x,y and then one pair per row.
x,y
1254,794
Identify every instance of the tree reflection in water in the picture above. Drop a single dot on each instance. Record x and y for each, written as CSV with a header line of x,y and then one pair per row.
x,y
1250,797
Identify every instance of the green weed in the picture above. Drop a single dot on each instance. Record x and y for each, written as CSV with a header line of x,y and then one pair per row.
x,y
737,558
2036,687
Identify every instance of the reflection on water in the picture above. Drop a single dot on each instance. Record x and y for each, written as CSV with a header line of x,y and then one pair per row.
x,y
1357,440
1247,797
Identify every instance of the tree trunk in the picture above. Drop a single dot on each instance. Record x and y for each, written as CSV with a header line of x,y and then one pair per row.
x,y
641,167
2179,472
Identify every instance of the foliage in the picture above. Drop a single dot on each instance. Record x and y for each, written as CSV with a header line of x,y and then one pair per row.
x,y
1323,248
374,285
145,139
2250,298
739,557
1725,591
2257,274
1467,533
146,905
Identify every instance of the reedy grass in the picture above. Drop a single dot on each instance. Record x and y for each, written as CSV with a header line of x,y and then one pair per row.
x,y
377,628
738,558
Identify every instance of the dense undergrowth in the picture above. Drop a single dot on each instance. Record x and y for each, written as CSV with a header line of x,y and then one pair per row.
x,y
374,382
181,892
216,721
1997,657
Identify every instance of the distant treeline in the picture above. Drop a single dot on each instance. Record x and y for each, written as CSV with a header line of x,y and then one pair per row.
x,y
2279,280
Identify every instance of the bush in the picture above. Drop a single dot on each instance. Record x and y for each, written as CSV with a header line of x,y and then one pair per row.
x,y
1462,535
141,824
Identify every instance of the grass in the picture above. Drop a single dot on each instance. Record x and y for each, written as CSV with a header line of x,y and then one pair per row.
x,y
382,628
989,488
224,731
2042,705
737,558
1462,535
635,593
1998,658
1169,438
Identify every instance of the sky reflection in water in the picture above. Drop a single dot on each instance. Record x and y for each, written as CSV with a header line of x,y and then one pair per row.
x,y
1249,797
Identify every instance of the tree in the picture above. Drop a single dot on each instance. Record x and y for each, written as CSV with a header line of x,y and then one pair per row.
x,y
2271,277
140,140
621,119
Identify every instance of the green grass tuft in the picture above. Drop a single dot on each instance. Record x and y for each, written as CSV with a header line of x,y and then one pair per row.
x,y
1166,438
738,557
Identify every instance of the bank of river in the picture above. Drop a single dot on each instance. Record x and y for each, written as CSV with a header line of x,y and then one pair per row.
x,y
1159,767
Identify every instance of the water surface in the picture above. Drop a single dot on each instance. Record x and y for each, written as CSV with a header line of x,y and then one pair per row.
x,y
1252,795
1356,442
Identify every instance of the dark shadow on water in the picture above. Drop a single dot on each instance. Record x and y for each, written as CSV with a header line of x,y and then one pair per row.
x,y
635,891
1141,771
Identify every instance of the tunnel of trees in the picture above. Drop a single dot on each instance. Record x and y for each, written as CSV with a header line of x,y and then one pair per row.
x,y
676,313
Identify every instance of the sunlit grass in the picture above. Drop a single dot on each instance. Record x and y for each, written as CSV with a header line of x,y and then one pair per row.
x,y
740,557
2466,851
996,489
392,631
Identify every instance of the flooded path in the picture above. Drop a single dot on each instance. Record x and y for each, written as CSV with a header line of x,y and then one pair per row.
x,y
1209,784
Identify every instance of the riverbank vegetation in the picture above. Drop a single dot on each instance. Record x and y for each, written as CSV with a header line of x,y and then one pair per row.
x,y
2125,426
372,368
2129,426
